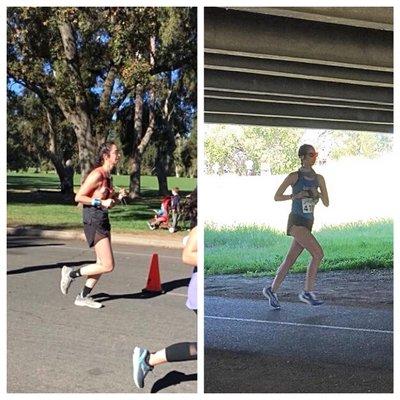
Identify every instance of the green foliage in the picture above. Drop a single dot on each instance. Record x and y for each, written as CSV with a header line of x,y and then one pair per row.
x,y
366,144
230,146
107,40
259,250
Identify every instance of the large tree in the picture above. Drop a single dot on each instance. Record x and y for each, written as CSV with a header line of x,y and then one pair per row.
x,y
89,63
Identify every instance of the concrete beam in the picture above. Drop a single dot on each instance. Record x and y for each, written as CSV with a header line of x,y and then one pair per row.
x,y
294,123
287,69
281,86
226,95
362,17
271,37
298,111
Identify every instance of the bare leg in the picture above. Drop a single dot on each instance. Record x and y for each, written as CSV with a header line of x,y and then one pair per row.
x,y
158,358
291,257
104,262
306,239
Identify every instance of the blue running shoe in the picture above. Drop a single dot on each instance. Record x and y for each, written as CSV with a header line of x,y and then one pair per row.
x,y
310,298
273,298
141,366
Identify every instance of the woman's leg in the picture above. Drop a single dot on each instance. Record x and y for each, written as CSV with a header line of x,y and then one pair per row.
x,y
306,239
291,257
104,264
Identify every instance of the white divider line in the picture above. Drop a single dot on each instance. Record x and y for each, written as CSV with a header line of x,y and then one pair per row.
x,y
129,253
343,328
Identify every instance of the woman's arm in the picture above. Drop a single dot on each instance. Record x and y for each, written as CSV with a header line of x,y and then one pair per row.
x,y
289,180
91,183
324,192
189,254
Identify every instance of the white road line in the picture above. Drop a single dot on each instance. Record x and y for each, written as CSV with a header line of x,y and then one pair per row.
x,y
129,253
343,328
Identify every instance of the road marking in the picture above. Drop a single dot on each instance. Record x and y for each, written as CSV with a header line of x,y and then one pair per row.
x,y
129,253
344,328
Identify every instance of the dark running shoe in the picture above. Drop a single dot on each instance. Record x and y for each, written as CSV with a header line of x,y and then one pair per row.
x,y
310,298
273,298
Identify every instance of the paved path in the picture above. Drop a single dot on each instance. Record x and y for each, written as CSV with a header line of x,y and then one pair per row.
x,y
251,348
54,346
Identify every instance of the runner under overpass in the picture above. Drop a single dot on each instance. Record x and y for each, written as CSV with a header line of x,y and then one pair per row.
x,y
322,68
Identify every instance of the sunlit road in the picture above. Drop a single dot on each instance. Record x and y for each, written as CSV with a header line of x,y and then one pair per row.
x,y
55,346
251,348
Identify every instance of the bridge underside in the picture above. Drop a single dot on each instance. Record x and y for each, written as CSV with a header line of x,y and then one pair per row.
x,y
322,68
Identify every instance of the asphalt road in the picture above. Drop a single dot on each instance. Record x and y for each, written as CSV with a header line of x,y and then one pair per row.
x,y
299,349
54,346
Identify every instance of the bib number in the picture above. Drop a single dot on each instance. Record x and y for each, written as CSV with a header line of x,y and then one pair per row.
x,y
307,205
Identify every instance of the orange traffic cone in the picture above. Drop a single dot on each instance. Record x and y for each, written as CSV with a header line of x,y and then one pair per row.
x,y
153,280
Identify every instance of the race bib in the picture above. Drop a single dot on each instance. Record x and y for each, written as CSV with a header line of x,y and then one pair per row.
x,y
308,205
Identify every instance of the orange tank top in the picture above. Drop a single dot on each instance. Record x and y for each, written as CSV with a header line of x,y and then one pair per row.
x,y
105,190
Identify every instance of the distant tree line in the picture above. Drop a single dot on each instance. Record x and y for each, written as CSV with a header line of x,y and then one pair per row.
x,y
229,147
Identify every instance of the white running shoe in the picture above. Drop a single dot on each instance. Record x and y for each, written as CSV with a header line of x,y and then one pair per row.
x,y
66,280
87,302
141,367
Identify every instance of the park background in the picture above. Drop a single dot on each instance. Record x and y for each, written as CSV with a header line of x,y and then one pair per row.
x,y
79,76
246,228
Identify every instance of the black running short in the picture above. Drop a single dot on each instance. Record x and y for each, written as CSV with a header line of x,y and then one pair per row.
x,y
298,220
96,224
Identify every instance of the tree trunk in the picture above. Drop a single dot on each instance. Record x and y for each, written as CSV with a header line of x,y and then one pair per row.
x,y
53,149
141,141
79,114
162,166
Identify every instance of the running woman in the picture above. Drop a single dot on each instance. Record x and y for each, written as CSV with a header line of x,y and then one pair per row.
x,y
97,196
143,360
305,195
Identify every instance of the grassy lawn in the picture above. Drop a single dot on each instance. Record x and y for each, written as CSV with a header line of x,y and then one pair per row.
x,y
259,251
34,200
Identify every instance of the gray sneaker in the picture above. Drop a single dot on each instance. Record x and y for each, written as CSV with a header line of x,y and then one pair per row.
x,y
66,280
310,298
87,302
273,298
140,366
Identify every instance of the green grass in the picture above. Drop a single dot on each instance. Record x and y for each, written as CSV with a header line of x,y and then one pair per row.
x,y
255,250
34,200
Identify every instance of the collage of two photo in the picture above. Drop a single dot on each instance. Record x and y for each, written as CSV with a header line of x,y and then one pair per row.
x,y
164,167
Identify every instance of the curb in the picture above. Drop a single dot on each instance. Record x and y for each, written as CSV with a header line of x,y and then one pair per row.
x,y
119,238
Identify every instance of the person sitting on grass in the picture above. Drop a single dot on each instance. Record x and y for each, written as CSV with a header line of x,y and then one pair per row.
x,y
161,215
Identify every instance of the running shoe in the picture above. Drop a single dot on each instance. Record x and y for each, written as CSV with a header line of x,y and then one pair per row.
x,y
87,302
151,227
273,298
141,367
310,298
66,280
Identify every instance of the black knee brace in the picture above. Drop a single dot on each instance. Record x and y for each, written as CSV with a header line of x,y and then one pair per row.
x,y
181,352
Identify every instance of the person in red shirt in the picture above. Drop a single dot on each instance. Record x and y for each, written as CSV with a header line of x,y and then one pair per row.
x,y
97,196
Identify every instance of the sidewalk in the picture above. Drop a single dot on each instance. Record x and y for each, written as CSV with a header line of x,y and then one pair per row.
x,y
160,238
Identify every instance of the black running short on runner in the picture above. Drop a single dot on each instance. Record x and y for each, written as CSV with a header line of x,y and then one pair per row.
x,y
96,224
298,220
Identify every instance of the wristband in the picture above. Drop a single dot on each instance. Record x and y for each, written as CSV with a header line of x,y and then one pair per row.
x,y
96,202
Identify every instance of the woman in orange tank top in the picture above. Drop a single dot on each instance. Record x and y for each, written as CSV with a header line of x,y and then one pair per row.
x,y
97,196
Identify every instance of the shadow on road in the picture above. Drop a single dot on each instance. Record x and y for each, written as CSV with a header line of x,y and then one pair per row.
x,y
172,378
48,266
14,242
166,287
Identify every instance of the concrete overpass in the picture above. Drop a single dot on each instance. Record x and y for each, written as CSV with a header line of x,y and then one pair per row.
x,y
323,68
